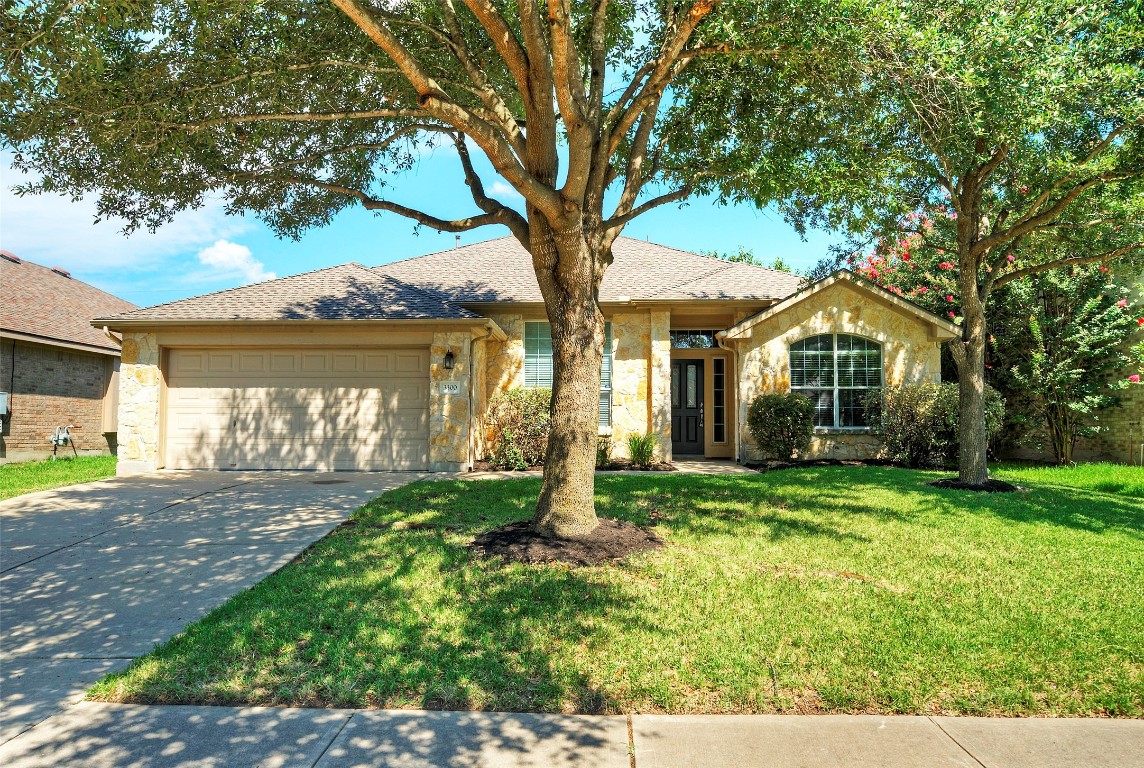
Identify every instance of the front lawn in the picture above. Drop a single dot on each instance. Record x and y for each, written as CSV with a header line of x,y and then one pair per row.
x,y
845,589
29,476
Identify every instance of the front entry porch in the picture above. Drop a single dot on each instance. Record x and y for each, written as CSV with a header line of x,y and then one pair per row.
x,y
702,404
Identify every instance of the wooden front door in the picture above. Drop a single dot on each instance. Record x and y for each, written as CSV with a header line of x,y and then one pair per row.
x,y
686,407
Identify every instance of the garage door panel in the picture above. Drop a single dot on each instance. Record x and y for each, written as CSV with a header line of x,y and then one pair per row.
x,y
298,409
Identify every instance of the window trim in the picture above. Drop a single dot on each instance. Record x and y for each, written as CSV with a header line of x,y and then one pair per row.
x,y
605,380
835,428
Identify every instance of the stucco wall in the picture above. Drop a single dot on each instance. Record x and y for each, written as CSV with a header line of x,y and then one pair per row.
x,y
908,355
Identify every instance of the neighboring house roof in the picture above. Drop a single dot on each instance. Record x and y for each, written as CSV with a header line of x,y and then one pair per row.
x,y
346,292
48,305
501,271
944,328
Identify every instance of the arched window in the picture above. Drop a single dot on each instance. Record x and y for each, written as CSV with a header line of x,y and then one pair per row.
x,y
835,371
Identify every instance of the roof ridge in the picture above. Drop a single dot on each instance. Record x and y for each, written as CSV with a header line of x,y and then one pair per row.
x,y
26,262
248,285
704,276
408,259
763,267
439,299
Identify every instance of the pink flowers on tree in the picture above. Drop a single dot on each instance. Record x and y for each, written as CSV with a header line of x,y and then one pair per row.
x,y
1134,378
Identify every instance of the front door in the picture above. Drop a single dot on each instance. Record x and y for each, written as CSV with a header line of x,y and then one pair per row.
x,y
686,407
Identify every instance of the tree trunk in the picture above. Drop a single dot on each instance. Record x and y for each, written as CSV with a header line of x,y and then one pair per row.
x,y
566,508
973,442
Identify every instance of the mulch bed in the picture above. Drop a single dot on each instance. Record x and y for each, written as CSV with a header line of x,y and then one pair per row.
x,y
612,540
768,466
615,465
989,486
623,465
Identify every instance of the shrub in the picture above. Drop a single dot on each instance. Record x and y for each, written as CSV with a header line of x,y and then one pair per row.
x,y
518,419
918,422
781,424
642,448
603,451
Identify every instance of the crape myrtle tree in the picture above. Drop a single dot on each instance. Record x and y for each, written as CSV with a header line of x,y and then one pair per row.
x,y
297,109
1000,132
1062,342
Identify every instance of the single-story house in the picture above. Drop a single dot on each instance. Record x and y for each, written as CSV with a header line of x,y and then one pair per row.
x,y
392,367
55,368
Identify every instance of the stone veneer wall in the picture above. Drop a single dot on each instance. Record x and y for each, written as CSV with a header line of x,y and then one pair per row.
x,y
660,328
448,413
641,375
140,384
908,355
631,369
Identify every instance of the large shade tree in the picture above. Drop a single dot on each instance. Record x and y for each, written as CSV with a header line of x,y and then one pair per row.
x,y
297,109
1007,137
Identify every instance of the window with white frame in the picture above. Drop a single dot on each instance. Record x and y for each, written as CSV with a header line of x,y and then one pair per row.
x,y
538,364
836,371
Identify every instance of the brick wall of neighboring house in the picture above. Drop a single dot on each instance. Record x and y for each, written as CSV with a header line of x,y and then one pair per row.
x,y
53,386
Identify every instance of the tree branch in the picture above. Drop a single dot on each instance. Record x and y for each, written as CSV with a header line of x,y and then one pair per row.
x,y
373,204
1072,261
642,208
516,223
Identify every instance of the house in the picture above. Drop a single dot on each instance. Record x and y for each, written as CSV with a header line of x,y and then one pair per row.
x,y
55,368
392,367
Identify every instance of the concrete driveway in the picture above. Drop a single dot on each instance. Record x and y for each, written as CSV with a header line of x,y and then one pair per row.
x,y
94,575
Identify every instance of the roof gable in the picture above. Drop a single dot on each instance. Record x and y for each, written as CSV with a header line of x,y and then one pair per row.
x,y
943,329
41,302
501,270
345,292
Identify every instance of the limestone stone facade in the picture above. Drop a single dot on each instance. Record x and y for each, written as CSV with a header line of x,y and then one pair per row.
x,y
641,375
449,401
910,353
140,388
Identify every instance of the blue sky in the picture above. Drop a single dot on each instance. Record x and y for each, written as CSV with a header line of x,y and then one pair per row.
x,y
206,250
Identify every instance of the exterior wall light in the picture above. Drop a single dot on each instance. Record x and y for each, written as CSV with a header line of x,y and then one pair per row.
x,y
449,360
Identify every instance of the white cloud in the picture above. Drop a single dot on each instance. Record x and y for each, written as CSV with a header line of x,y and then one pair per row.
x,y
52,229
231,259
504,189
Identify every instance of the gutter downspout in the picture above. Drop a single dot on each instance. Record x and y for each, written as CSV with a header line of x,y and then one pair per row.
x,y
721,339
118,341
472,380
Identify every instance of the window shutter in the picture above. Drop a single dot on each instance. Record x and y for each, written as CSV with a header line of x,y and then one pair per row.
x,y
537,355
538,364
606,379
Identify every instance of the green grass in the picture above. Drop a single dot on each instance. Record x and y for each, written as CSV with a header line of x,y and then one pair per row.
x,y
821,589
29,476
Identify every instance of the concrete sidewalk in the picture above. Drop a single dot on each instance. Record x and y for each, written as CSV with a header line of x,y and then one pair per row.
x,y
98,735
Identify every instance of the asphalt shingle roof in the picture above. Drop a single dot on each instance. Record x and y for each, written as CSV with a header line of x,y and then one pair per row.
x,y
501,271
37,301
346,292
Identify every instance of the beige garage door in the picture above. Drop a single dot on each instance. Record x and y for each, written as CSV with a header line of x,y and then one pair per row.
x,y
321,409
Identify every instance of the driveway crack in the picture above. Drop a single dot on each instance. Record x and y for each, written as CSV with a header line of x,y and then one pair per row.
x,y
960,746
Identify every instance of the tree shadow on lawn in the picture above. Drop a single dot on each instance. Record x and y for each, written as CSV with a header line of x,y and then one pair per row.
x,y
381,615
776,499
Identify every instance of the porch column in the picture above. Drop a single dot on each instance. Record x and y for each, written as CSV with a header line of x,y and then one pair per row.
x,y
659,386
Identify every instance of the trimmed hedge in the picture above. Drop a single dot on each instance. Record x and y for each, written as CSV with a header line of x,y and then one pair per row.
x,y
781,424
519,419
